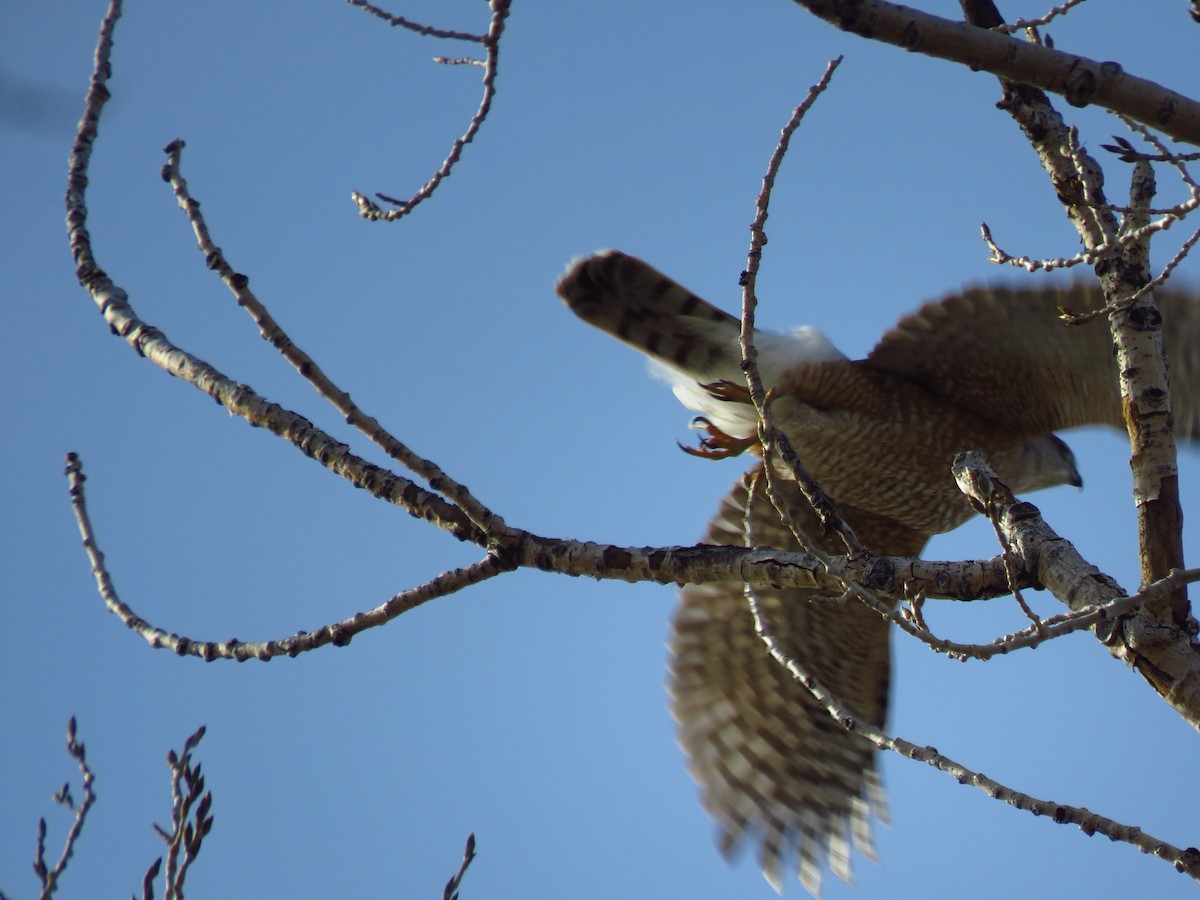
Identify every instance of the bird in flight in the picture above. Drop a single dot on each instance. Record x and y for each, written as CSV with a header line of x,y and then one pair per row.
x,y
990,369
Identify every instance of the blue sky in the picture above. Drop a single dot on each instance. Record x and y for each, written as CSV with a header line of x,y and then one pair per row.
x,y
530,710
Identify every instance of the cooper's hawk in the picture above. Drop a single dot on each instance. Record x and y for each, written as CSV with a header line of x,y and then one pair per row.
x,y
988,369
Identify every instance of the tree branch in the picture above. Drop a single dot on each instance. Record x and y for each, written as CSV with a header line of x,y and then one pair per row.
x,y
368,209
241,400
485,519
450,892
1124,271
49,876
876,580
1048,559
1186,861
772,438
1079,80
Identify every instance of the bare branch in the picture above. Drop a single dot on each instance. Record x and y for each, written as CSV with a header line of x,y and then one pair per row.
x,y
1163,630
1080,80
886,576
337,634
50,875
459,61
191,820
1186,861
987,494
368,209
1160,649
486,520
1177,160
1011,569
1126,152
771,437
239,399
451,890
425,30
1021,24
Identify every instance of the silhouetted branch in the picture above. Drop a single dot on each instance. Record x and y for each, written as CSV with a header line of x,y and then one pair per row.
x,y
49,876
191,821
451,890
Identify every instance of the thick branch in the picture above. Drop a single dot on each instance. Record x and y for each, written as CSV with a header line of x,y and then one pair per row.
x,y
1123,268
1080,80
1146,401
1168,653
895,576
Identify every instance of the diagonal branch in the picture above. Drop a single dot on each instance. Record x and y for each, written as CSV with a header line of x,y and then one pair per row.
x,y
241,400
423,30
1049,560
1080,80
482,517
337,634
1186,861
450,892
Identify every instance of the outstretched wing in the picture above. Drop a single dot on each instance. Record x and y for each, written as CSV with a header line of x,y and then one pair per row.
x,y
1004,352
774,767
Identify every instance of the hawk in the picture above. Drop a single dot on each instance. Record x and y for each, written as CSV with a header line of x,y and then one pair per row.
x,y
991,369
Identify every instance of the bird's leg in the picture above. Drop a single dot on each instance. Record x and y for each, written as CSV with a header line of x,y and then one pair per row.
x,y
717,444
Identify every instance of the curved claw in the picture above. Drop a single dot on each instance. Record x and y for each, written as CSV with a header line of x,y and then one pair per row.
x,y
716,444
727,391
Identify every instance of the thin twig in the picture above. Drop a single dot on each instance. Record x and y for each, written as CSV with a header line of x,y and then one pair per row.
x,y
337,634
451,890
367,208
1186,861
1052,14
487,521
1010,567
425,30
1177,160
49,876
191,818
770,435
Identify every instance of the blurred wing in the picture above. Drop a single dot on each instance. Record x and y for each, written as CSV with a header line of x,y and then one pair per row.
x,y
774,767
1005,353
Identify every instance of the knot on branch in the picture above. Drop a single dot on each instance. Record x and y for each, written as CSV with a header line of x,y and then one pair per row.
x,y
879,573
